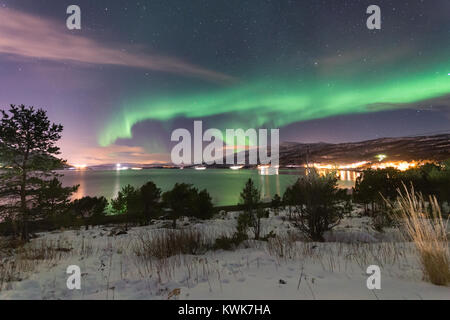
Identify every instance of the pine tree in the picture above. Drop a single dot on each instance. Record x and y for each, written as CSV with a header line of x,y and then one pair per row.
x,y
250,202
53,199
28,153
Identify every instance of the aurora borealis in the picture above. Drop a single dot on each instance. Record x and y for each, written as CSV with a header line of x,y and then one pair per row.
x,y
138,70
277,104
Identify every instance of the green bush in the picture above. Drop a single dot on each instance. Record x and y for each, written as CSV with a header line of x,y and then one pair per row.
x,y
250,202
139,204
186,201
373,187
225,243
229,243
276,203
150,196
127,201
89,209
319,204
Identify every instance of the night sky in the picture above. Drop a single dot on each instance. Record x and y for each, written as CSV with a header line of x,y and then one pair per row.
x,y
140,69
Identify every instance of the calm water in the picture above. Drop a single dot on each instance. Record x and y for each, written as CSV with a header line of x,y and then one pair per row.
x,y
224,185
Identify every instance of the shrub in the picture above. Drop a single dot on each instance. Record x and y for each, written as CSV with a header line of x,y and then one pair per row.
x,y
53,199
203,206
373,186
225,243
291,199
140,204
250,202
128,201
150,197
89,208
179,201
382,221
243,223
276,203
318,204
229,243
185,200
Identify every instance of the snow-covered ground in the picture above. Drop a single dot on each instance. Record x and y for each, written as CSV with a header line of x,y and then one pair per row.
x,y
284,269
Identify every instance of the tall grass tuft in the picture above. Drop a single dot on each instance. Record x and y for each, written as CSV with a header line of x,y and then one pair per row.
x,y
25,258
170,243
425,226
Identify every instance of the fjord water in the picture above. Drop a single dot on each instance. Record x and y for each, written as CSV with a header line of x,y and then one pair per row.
x,y
224,185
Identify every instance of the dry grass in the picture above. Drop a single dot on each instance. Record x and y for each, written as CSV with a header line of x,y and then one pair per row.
x,y
159,255
24,259
425,226
285,247
162,252
339,256
169,243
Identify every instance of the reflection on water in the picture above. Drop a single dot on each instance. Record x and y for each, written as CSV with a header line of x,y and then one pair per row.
x,y
347,178
265,186
223,185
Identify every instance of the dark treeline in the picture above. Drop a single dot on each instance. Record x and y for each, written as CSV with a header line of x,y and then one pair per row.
x,y
147,202
30,190
373,187
138,206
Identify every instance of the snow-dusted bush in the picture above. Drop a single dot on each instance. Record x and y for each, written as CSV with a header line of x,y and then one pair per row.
x,y
318,203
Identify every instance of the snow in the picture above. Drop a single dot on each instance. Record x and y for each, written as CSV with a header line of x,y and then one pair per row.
x,y
335,269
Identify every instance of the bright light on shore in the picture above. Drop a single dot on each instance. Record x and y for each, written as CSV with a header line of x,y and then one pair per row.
x,y
120,168
80,166
355,165
268,170
399,165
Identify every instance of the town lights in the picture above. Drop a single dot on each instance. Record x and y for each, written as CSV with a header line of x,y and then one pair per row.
x,y
120,168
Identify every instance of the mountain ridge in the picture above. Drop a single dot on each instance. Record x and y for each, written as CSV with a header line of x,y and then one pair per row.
x,y
435,147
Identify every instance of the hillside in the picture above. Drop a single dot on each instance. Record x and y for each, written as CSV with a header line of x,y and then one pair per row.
x,y
410,148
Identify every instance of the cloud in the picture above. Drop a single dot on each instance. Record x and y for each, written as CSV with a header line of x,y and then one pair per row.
x,y
441,103
114,154
371,54
29,36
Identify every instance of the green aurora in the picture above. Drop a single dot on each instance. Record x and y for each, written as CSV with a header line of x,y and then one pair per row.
x,y
274,104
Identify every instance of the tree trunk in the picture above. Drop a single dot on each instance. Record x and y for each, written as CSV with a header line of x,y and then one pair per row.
x,y
317,237
23,198
23,208
258,228
25,237
174,223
